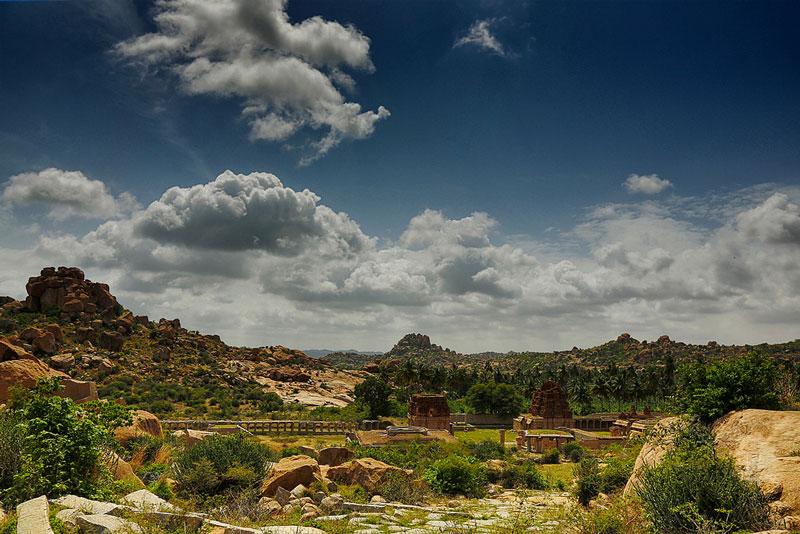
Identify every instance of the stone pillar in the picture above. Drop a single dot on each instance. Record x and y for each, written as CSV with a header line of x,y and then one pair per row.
x,y
452,429
502,435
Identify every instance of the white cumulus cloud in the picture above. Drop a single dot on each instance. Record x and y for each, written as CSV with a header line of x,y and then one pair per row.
x,y
286,74
66,194
649,184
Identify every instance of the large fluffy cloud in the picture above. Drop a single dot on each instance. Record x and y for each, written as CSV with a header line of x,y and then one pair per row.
x,y
258,262
66,194
286,74
249,212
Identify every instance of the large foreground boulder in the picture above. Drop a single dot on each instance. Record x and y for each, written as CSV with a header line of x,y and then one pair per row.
x,y
367,472
24,372
761,442
144,423
289,472
32,517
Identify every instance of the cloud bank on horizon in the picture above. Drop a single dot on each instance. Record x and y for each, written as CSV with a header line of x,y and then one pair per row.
x,y
249,258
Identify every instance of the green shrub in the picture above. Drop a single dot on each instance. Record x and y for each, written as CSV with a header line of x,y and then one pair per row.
x,y
525,474
695,490
587,480
501,399
270,403
574,451
619,516
551,456
61,442
454,475
11,439
487,450
403,487
219,463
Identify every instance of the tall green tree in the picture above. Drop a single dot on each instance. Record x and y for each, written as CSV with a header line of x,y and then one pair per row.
x,y
373,394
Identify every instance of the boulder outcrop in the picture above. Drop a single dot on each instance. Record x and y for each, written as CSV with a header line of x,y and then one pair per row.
x,y
334,456
762,443
24,372
144,423
367,472
289,472
653,450
67,288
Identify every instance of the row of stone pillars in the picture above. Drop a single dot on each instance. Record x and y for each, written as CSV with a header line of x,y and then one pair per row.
x,y
277,427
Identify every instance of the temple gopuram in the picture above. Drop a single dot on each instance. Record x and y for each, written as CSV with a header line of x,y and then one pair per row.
x,y
429,411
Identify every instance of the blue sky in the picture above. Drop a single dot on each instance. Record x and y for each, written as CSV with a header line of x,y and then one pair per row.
x,y
499,175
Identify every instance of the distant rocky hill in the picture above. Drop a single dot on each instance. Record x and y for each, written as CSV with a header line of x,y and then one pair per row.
x,y
71,325
623,351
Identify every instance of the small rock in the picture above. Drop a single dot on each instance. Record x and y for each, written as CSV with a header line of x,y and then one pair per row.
x,y
283,496
69,516
377,499
298,490
62,361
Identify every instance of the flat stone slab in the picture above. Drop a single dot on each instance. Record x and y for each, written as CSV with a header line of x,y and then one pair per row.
x,y
107,524
332,517
147,500
33,517
69,516
292,529
87,506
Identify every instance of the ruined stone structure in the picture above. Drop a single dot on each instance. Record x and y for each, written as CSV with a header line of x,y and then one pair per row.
x,y
429,411
549,410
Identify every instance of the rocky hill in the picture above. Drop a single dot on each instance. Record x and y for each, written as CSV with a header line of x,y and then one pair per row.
x,y
72,326
623,351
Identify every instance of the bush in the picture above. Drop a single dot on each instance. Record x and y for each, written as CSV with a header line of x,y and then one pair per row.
x,y
11,439
487,450
454,475
403,487
220,463
551,456
61,442
270,403
711,391
525,474
695,490
587,480
617,517
574,451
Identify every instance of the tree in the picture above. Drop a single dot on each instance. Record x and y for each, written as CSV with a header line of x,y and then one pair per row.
x,y
500,399
374,394
711,391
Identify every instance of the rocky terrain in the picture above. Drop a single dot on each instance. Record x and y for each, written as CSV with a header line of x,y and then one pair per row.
x,y
73,327
623,351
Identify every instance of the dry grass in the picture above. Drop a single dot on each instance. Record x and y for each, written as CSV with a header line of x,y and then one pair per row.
x,y
279,442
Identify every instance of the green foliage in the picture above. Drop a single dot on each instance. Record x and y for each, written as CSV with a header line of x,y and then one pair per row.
x,y
373,393
574,451
402,487
551,456
501,399
516,476
456,475
695,490
592,480
219,463
61,443
270,403
487,449
11,439
9,526
711,391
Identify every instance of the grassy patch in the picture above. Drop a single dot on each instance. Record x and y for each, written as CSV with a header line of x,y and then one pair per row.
x,y
558,472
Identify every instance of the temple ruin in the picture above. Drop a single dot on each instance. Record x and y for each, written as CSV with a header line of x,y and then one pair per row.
x,y
429,411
